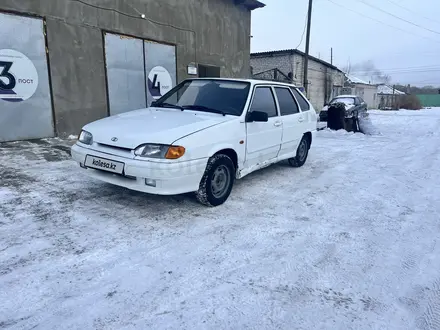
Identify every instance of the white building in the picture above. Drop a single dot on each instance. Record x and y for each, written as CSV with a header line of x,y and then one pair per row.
x,y
368,92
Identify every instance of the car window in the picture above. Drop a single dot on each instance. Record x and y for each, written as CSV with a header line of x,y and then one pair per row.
x,y
286,101
301,100
264,101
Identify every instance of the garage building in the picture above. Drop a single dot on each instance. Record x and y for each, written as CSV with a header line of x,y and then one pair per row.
x,y
325,79
64,63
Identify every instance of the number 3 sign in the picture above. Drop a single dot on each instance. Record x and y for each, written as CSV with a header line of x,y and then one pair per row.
x,y
18,76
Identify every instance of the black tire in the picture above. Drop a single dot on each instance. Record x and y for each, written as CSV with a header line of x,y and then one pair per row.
x,y
208,193
301,153
356,124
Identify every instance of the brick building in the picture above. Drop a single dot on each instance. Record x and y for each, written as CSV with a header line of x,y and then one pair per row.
x,y
325,79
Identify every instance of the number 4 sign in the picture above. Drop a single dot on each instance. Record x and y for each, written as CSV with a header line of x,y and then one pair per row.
x,y
159,82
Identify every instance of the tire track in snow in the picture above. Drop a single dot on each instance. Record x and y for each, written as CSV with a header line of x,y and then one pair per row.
x,y
430,319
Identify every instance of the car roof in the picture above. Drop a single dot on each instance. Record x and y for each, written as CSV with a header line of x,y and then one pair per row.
x,y
252,81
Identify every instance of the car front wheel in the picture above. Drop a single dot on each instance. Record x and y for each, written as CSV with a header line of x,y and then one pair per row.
x,y
301,153
217,181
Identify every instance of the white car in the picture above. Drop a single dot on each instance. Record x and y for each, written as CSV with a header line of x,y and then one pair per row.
x,y
200,137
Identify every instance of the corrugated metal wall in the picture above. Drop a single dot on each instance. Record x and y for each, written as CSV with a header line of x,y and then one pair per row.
x,y
429,100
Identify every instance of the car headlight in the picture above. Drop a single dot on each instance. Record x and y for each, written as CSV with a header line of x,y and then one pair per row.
x,y
159,151
85,137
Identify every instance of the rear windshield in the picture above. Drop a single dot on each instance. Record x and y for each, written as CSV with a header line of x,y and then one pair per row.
x,y
346,100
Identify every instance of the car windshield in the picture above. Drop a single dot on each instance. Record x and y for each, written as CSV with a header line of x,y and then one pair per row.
x,y
346,100
225,97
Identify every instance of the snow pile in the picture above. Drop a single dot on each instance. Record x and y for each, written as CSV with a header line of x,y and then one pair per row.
x,y
367,127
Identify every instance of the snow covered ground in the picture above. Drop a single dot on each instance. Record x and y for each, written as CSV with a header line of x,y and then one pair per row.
x,y
349,241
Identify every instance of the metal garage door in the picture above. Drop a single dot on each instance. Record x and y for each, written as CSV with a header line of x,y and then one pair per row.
x,y
138,72
25,101
125,73
160,67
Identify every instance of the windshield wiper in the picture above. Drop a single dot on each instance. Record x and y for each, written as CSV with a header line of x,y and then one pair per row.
x,y
203,108
169,105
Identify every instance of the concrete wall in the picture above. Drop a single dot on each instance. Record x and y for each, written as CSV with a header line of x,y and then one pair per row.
x,y
322,78
370,96
212,32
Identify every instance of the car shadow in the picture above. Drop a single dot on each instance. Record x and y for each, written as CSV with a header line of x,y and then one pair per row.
x,y
108,193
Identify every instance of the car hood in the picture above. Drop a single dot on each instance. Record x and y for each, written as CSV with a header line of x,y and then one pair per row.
x,y
152,125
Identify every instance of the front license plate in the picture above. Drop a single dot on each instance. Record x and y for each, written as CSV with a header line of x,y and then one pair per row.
x,y
104,164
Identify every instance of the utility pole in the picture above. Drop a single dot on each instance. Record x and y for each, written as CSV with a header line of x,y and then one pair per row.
x,y
331,56
306,59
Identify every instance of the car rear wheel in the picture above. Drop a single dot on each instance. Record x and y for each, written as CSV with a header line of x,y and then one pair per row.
x,y
301,153
217,181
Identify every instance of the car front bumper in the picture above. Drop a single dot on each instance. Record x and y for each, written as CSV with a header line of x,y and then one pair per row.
x,y
170,178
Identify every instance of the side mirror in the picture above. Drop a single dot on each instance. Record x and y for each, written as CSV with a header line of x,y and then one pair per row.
x,y
257,116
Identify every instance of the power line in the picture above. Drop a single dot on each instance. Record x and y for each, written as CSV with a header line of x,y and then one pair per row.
x,y
141,16
366,74
402,73
411,11
398,17
304,32
392,71
383,23
412,53
429,67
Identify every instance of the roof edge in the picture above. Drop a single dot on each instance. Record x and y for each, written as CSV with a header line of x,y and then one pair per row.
x,y
294,51
250,4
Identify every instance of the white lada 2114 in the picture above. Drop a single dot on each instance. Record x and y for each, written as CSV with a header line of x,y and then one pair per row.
x,y
200,137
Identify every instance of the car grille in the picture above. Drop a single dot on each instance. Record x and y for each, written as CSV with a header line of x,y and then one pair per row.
x,y
114,147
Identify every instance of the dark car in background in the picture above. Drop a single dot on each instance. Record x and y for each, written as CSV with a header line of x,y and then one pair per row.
x,y
355,106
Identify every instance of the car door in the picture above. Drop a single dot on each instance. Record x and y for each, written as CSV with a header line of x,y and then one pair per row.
x,y
263,138
307,111
293,121
358,106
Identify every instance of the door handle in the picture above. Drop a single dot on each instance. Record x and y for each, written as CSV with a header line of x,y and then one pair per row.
x,y
277,123
300,119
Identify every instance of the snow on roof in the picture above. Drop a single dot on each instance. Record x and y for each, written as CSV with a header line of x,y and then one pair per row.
x,y
356,80
292,51
385,89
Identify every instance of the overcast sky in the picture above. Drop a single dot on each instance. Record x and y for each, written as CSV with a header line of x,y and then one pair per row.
x,y
409,54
